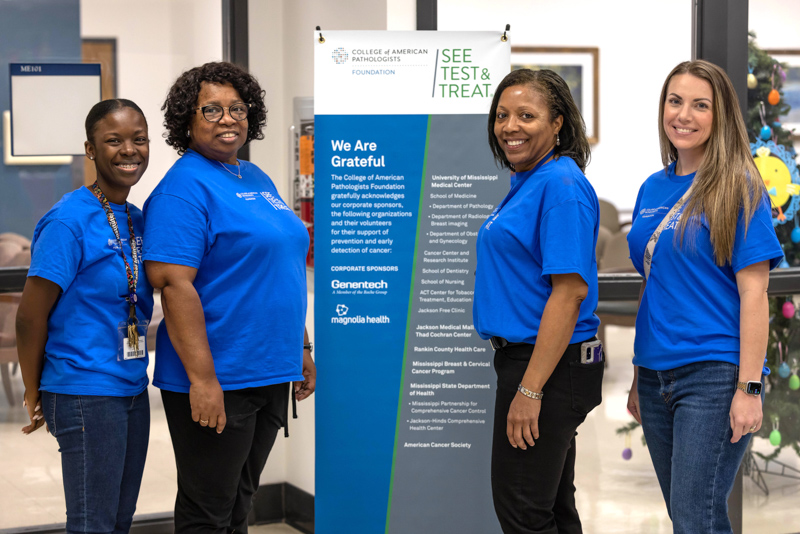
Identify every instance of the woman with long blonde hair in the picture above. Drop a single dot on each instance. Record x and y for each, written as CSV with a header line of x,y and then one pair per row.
x,y
703,239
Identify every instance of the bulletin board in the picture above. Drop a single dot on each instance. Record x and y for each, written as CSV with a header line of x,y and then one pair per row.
x,y
49,103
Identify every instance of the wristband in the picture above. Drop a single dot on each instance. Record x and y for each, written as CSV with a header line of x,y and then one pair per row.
x,y
528,393
309,347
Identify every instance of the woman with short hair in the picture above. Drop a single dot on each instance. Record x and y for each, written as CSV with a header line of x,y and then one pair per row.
x,y
81,327
229,257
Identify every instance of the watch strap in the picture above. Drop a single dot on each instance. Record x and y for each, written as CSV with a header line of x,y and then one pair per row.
x,y
743,387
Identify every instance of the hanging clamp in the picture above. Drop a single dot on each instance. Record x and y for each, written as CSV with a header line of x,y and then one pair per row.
x,y
504,37
321,38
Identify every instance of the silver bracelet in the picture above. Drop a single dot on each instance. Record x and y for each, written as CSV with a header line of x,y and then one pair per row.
x,y
528,393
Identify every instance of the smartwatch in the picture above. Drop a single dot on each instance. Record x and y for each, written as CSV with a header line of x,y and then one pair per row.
x,y
752,387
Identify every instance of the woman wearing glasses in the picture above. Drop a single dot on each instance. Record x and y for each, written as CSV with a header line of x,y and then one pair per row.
x,y
229,258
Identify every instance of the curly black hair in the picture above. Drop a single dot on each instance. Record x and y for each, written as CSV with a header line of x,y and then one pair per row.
x,y
179,107
558,98
101,109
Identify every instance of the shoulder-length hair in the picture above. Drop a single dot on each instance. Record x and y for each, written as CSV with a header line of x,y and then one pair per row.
x,y
559,101
727,181
179,108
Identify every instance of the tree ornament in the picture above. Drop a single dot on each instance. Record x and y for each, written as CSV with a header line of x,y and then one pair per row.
x,y
774,96
780,177
752,82
788,309
796,235
766,131
784,370
627,452
794,381
775,435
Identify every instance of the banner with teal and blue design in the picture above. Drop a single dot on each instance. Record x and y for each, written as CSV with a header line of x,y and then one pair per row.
x,y
404,180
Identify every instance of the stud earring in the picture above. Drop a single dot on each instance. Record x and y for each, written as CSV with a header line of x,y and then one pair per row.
x,y
90,157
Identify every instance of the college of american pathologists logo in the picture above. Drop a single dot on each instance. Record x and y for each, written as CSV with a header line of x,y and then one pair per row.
x,y
340,56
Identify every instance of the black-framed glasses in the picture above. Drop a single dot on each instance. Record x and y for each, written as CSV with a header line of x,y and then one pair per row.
x,y
214,113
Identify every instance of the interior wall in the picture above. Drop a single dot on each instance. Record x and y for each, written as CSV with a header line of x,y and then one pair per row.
x,y
46,31
156,42
281,34
639,42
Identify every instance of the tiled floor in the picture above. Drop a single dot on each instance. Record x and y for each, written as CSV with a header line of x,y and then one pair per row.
x,y
272,529
614,496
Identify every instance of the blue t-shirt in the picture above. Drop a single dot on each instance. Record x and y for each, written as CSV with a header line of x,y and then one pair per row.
x,y
249,250
546,225
74,247
690,308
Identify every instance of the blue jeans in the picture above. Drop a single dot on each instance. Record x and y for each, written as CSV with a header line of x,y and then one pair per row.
x,y
103,445
686,422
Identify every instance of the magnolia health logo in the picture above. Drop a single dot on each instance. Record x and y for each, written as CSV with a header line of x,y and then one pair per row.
x,y
341,309
340,56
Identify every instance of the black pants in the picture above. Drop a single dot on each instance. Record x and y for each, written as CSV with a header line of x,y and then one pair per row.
x,y
533,489
218,474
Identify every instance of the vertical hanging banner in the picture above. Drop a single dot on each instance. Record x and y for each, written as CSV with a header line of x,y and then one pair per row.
x,y
404,180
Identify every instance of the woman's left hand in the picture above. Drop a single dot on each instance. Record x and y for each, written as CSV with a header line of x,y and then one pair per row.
x,y
304,389
523,421
745,414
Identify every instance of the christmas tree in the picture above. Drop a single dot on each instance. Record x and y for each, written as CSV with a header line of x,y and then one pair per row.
x,y
765,105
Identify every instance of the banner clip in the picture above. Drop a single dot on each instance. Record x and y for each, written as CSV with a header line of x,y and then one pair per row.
x,y
504,38
321,38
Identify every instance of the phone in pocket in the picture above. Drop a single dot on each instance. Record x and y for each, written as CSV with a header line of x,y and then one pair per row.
x,y
592,351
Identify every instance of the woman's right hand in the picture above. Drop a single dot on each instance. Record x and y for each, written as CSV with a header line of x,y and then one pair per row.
x,y
208,404
33,403
633,398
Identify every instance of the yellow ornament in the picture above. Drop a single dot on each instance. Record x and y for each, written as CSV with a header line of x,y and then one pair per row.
x,y
752,83
776,178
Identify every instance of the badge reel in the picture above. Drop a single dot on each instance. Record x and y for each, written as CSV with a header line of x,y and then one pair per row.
x,y
131,340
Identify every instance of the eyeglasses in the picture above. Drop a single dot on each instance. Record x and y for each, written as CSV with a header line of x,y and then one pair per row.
x,y
214,113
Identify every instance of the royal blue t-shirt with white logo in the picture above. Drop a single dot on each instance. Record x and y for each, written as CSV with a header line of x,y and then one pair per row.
x,y
690,308
249,249
548,226
75,247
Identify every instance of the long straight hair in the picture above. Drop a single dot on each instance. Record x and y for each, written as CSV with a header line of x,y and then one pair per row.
x,y
727,181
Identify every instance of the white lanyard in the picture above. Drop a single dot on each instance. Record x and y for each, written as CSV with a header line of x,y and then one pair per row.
x,y
651,244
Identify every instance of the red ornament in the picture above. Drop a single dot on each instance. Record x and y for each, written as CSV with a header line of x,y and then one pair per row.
x,y
788,309
774,97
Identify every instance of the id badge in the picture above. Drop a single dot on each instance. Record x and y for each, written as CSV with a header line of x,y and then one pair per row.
x,y
126,348
592,351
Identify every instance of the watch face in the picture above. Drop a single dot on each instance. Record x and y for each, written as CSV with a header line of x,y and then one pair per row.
x,y
754,388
